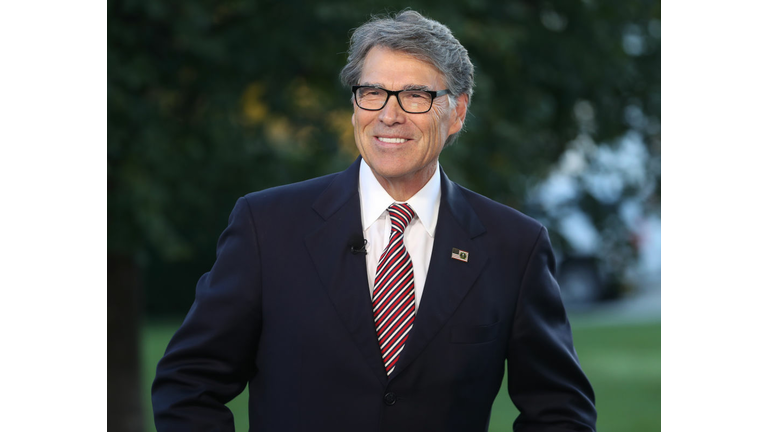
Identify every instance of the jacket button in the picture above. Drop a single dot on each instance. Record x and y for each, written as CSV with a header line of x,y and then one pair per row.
x,y
390,399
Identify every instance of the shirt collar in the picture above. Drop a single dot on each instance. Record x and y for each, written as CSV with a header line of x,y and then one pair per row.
x,y
375,200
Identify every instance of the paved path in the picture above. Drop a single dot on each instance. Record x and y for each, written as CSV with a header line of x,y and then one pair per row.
x,y
643,307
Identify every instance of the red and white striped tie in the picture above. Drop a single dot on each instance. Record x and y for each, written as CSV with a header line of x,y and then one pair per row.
x,y
394,301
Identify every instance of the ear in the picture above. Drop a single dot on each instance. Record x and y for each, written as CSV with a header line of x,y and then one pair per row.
x,y
459,114
353,116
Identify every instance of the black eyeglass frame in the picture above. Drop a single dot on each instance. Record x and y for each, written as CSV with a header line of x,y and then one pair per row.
x,y
396,94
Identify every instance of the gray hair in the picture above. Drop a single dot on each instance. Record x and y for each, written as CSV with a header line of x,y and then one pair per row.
x,y
421,37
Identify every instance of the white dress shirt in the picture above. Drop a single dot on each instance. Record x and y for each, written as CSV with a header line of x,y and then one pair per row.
x,y
419,234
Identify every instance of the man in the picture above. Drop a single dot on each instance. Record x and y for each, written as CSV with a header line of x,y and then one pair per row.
x,y
385,297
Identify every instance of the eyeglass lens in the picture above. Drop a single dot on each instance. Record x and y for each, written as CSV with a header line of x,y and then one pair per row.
x,y
412,101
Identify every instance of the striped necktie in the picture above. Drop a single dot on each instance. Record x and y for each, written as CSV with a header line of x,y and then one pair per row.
x,y
394,301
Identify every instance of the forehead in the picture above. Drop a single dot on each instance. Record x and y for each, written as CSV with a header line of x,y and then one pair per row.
x,y
395,70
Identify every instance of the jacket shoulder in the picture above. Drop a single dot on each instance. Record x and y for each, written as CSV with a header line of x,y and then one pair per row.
x,y
495,214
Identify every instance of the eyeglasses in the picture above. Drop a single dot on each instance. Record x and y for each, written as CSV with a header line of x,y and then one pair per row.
x,y
411,101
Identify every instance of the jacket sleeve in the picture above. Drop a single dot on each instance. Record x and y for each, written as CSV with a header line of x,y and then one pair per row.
x,y
545,380
212,356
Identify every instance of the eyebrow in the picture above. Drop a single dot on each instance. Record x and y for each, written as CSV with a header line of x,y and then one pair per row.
x,y
416,87
406,87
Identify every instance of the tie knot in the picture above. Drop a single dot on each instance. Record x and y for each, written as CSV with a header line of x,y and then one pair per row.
x,y
400,215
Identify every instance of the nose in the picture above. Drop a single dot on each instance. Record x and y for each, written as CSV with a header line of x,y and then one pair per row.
x,y
392,114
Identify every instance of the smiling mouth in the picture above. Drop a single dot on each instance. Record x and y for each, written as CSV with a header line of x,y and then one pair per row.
x,y
392,140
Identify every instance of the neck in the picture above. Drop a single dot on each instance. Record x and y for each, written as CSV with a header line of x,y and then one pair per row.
x,y
403,188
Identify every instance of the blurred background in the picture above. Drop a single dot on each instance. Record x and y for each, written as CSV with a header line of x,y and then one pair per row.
x,y
208,101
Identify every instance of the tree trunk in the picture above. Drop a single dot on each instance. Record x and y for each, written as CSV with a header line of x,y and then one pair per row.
x,y
124,398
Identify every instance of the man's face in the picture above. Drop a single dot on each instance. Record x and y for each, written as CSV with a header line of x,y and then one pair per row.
x,y
399,146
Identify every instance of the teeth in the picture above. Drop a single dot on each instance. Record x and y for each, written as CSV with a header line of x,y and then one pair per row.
x,y
392,140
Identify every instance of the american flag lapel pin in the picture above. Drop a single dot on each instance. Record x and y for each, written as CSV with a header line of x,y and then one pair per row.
x,y
460,255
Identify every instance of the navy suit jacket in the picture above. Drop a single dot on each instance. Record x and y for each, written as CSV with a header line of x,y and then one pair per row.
x,y
286,310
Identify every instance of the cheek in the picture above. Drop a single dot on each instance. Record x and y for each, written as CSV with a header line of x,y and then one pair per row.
x,y
360,121
437,120
434,128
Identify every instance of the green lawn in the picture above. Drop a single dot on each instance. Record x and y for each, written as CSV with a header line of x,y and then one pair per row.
x,y
622,362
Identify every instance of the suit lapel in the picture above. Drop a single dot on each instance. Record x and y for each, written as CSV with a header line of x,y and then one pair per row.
x,y
342,273
448,279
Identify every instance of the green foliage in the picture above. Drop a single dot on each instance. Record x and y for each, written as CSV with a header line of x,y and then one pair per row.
x,y
208,101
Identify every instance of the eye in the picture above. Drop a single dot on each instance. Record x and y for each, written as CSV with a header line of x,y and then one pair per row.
x,y
416,95
370,92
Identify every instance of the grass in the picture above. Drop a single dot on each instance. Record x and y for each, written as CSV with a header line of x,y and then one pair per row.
x,y
622,362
